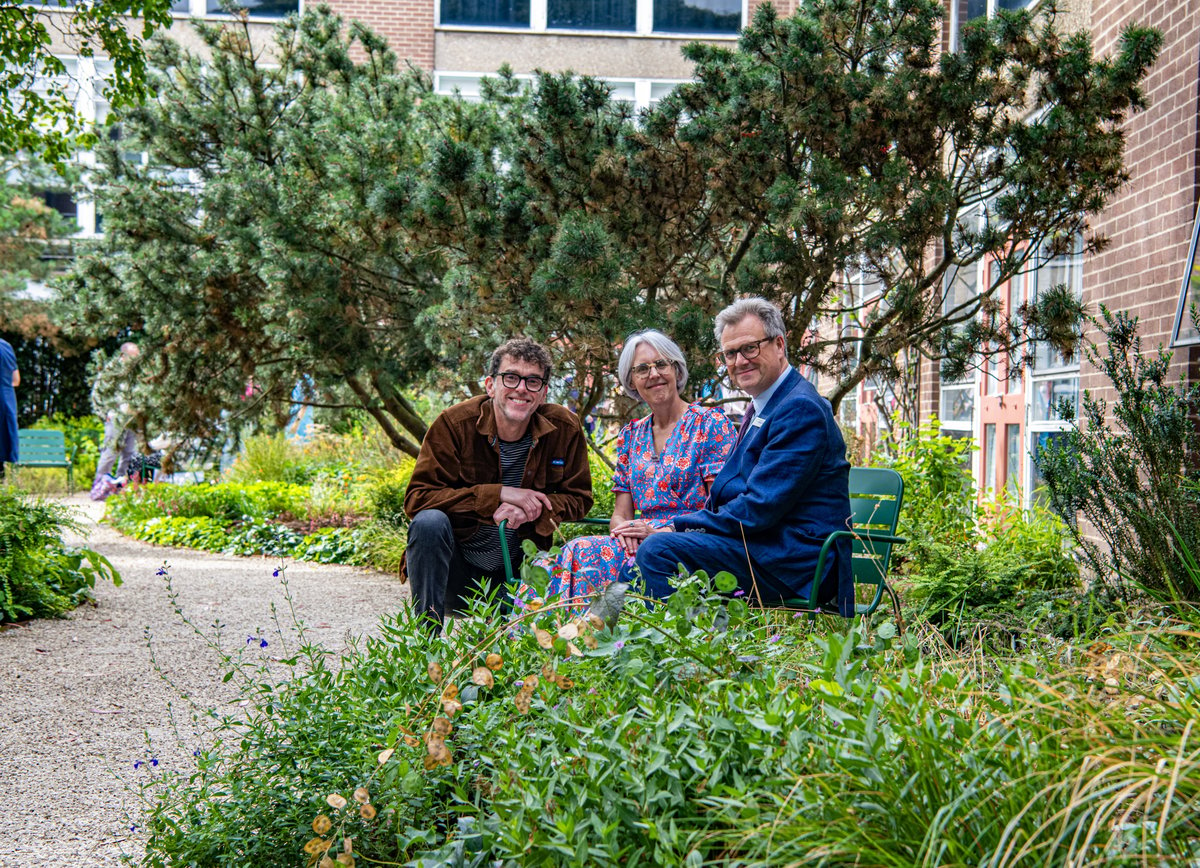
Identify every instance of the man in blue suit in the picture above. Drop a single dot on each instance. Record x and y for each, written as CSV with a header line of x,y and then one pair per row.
x,y
784,488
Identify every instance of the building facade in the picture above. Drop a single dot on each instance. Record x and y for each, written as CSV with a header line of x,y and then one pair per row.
x,y
635,45
1149,267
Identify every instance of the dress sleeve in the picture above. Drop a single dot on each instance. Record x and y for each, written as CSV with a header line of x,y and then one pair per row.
x,y
620,480
717,439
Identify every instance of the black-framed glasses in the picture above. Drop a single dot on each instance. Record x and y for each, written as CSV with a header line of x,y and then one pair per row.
x,y
533,383
643,370
746,351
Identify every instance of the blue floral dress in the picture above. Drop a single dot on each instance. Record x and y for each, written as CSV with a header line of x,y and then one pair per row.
x,y
662,487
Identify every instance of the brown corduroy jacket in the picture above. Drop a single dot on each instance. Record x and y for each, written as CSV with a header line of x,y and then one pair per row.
x,y
458,470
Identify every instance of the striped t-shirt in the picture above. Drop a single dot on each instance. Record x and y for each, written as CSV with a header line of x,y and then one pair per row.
x,y
482,550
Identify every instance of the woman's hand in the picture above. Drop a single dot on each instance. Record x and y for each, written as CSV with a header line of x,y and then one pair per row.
x,y
630,533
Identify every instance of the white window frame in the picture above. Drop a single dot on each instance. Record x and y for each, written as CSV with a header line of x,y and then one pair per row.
x,y
993,6
199,9
539,16
640,93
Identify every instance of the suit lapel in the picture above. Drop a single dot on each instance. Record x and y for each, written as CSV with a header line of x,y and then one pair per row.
x,y
736,464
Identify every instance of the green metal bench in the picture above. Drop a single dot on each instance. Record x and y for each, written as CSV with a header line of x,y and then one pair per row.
x,y
876,495
38,448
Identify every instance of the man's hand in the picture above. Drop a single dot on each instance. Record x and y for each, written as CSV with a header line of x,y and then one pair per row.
x,y
515,515
530,502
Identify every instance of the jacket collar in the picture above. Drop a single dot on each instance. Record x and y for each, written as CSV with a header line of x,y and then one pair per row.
x,y
789,381
539,425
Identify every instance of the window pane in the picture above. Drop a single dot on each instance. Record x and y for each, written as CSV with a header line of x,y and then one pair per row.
x,y
1067,270
993,382
181,6
964,11
957,405
1012,443
961,287
592,14
698,16
494,13
1185,332
1041,440
258,8
1012,4
989,456
1047,394
62,202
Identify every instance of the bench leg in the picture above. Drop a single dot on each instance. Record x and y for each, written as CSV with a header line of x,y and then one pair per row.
x,y
895,608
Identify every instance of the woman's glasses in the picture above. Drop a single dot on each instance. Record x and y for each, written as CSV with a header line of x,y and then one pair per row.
x,y
642,371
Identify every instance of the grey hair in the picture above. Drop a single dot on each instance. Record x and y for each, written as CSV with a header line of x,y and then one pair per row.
x,y
662,344
766,312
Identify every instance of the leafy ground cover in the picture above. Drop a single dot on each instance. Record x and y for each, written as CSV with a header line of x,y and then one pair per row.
x,y
40,576
700,732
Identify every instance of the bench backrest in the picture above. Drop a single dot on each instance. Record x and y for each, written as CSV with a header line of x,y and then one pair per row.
x,y
38,446
876,495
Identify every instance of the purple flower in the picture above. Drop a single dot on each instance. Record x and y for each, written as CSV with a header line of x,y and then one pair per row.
x,y
771,640
161,571
133,828
275,572
797,615
520,684
154,762
137,764
262,643
739,593
619,644
250,639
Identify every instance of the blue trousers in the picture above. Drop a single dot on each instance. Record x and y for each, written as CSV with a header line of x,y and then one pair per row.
x,y
659,555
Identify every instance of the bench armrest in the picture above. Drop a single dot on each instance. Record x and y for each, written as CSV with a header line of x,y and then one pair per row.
x,y
864,535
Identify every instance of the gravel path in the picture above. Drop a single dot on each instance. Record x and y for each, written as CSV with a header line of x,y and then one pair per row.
x,y
80,702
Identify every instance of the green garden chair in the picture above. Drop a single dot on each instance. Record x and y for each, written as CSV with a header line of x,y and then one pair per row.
x,y
45,448
876,495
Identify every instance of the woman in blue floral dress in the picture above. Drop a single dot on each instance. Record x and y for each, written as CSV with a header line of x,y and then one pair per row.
x,y
665,465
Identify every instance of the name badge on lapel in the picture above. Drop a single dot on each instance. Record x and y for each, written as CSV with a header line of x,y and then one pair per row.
x,y
756,422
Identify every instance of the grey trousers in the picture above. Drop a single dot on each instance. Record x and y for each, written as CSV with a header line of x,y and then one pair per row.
x,y
116,442
439,577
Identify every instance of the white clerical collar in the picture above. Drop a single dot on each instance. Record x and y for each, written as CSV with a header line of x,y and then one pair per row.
x,y
761,400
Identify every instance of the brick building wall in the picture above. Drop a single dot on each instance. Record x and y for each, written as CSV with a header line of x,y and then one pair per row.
x,y
1149,224
407,25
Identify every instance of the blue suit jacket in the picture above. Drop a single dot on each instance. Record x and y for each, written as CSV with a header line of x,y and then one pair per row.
x,y
787,484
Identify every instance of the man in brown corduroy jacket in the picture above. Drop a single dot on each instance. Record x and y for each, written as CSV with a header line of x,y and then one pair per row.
x,y
506,455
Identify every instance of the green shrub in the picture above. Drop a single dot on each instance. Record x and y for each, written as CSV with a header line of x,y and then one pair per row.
x,y
1014,553
267,458
939,492
331,545
328,545
386,492
228,502
382,544
39,576
602,494
195,532
696,733
1137,481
